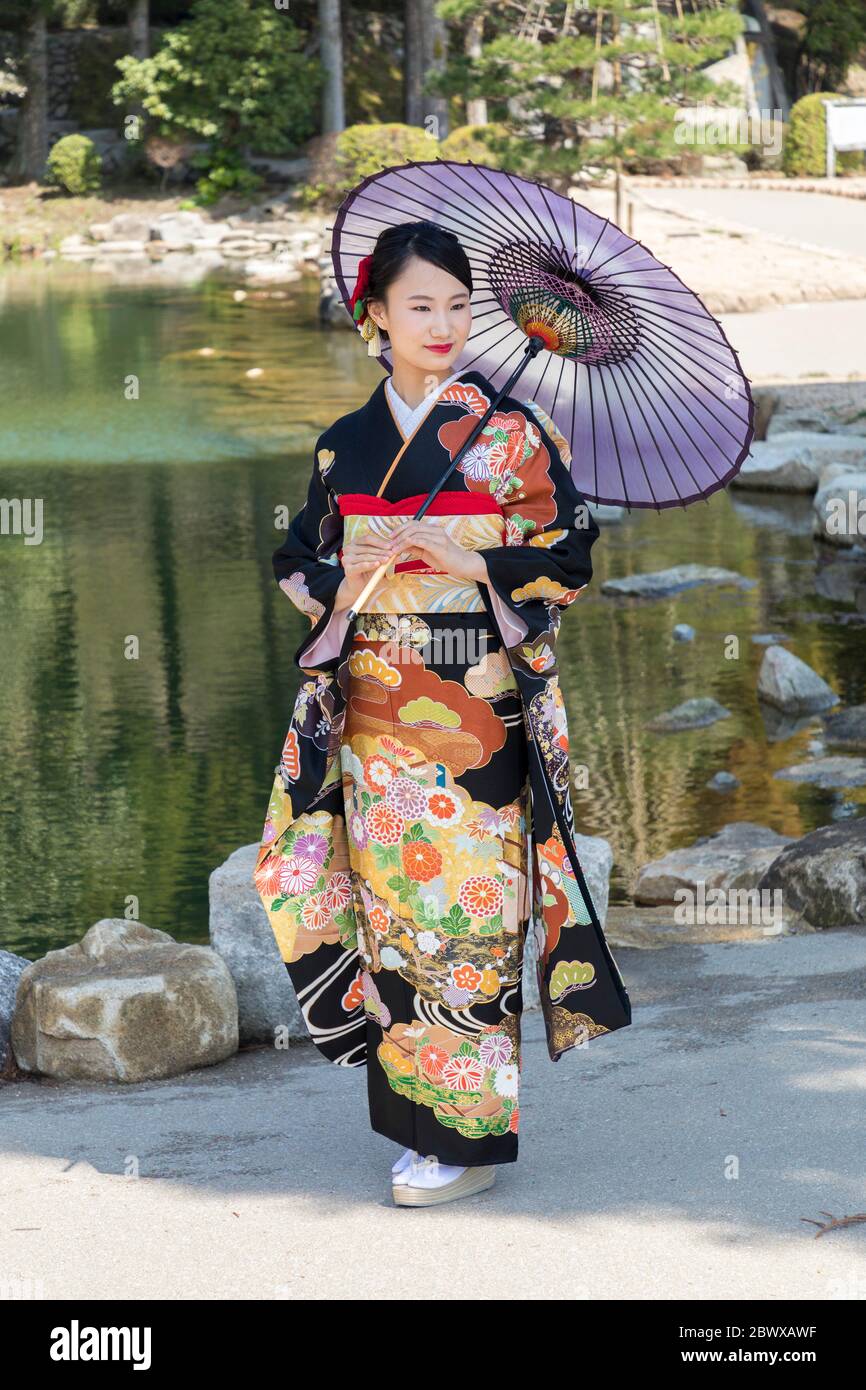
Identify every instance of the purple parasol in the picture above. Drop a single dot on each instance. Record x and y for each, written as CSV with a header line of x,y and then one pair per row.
x,y
637,375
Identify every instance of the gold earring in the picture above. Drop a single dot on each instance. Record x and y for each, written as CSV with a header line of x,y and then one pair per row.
x,y
370,332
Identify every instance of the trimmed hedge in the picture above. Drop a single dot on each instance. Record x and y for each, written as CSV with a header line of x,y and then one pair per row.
x,y
75,164
804,153
340,162
476,142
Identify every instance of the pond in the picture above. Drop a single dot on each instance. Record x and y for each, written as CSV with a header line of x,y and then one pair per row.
x,y
147,676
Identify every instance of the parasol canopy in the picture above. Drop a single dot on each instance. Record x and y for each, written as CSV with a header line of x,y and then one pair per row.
x,y
636,373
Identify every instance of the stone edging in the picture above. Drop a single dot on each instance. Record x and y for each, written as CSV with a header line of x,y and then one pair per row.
x,y
836,188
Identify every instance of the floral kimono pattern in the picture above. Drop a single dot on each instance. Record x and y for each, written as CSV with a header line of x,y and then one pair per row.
x,y
420,821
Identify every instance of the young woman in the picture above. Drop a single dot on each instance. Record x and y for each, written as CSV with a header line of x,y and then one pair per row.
x,y
420,815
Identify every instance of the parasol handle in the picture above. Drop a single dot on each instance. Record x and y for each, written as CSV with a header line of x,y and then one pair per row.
x,y
533,348
368,589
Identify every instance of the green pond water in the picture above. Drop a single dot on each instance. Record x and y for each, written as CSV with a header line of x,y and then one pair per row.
x,y
125,782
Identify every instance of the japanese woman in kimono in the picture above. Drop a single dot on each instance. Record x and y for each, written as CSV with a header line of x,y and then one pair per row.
x,y
420,821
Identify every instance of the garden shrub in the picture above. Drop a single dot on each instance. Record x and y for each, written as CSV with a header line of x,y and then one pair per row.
x,y
476,142
338,164
75,164
804,153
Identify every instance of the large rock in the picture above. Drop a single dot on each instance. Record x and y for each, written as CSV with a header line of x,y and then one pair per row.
x,y
126,1003
840,509
724,166
836,470
661,583
827,772
11,969
836,446
846,728
843,581
737,856
823,875
182,228
773,467
802,419
788,684
124,226
794,462
243,936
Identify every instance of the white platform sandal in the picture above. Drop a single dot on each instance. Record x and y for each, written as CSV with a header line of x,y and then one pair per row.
x,y
401,1169
424,1185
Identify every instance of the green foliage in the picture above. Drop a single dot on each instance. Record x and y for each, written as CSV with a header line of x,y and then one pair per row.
x,y
647,64
804,153
365,149
361,150
833,36
476,142
75,164
225,172
234,75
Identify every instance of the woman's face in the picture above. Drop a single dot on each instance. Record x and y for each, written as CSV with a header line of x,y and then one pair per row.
x,y
427,316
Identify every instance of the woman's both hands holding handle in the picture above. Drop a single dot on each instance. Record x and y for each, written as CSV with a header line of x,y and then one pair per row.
x,y
422,540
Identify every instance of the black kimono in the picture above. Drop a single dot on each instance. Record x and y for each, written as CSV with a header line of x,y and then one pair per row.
x,y
420,817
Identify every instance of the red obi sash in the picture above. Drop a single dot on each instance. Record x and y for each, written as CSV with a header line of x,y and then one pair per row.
x,y
445,503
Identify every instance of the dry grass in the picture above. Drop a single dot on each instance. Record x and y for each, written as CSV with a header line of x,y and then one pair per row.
x,y
33,218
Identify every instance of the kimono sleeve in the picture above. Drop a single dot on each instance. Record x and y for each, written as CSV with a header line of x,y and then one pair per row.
x,y
307,569
549,533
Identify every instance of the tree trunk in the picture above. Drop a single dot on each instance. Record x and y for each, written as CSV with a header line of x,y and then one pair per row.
x,y
436,55
139,28
476,107
32,142
413,61
617,91
331,54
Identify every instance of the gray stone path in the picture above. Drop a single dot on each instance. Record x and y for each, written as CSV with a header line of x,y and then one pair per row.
x,y
826,220
260,1178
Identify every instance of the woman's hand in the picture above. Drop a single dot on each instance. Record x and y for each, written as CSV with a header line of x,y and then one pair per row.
x,y
439,551
360,558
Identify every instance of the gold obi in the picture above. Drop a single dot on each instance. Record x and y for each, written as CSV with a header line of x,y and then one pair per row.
x,y
471,519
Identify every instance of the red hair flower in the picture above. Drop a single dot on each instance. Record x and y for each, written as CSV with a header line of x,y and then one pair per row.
x,y
359,294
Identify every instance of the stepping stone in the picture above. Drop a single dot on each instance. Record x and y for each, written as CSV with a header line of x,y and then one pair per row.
x,y
691,714
674,581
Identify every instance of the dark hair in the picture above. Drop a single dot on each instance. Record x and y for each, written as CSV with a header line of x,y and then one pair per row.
x,y
395,246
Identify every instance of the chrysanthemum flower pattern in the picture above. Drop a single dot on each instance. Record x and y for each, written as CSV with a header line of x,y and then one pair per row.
x,y
409,879
469,1080
481,895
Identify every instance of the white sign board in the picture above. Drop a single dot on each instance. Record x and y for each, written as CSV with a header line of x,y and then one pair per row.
x,y
846,129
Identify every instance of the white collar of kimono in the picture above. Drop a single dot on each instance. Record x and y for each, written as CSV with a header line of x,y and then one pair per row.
x,y
407,417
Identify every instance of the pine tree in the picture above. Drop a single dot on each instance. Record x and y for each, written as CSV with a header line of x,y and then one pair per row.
x,y
595,87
